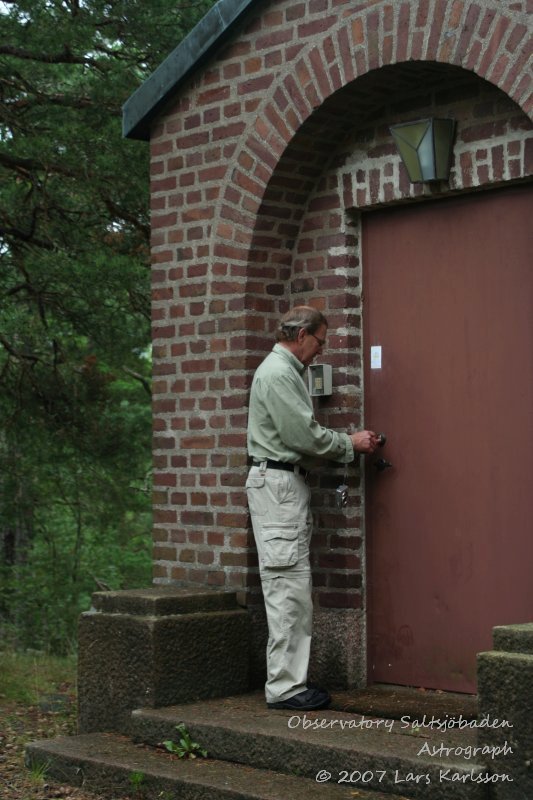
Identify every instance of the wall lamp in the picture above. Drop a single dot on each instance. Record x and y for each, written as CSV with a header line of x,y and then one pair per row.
x,y
425,147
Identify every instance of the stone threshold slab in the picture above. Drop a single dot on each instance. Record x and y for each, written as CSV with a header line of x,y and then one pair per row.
x,y
394,756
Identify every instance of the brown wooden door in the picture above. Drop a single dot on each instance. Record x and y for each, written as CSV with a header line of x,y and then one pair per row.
x,y
448,296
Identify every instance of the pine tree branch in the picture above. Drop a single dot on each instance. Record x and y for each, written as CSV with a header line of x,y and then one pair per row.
x,y
121,213
64,57
142,380
31,165
23,236
64,100
12,352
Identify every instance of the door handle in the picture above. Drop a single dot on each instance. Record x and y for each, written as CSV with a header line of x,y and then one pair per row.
x,y
382,464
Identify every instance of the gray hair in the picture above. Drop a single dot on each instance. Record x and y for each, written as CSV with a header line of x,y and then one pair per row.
x,y
299,317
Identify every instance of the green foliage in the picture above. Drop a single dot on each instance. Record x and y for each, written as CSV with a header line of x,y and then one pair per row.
x,y
39,772
74,306
26,677
185,748
137,779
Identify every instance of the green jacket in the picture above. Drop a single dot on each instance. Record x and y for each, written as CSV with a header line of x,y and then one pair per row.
x,y
281,423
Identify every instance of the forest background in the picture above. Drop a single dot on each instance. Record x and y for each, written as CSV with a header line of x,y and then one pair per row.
x,y
75,359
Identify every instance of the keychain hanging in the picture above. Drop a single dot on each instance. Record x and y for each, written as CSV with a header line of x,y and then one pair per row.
x,y
341,492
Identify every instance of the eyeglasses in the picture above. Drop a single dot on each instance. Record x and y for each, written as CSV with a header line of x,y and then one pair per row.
x,y
321,342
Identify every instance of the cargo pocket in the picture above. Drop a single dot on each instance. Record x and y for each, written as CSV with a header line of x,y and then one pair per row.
x,y
280,544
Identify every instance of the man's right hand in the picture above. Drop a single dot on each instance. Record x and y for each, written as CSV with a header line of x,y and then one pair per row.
x,y
364,441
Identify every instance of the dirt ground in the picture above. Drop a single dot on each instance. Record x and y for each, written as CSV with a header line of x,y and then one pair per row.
x,y
19,724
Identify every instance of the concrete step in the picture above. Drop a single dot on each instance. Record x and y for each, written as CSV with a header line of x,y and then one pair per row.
x,y
115,766
373,754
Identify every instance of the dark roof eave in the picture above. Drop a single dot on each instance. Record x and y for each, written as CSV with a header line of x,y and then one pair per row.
x,y
139,110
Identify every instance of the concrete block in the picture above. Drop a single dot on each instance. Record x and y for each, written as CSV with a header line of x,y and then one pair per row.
x,y
338,651
514,638
135,655
505,688
163,601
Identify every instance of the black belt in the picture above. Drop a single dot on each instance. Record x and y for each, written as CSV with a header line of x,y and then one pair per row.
x,y
281,465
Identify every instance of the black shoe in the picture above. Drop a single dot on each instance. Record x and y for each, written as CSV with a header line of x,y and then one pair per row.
x,y
308,700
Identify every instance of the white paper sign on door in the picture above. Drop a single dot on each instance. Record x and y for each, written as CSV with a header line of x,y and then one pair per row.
x,y
375,357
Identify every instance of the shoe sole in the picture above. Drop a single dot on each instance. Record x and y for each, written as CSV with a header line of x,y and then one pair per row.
x,y
284,707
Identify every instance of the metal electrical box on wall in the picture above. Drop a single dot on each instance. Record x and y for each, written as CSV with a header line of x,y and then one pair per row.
x,y
319,377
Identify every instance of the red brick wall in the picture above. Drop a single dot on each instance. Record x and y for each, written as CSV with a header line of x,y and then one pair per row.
x,y
259,173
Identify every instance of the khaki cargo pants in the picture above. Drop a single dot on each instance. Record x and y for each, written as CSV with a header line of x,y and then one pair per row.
x,y
279,503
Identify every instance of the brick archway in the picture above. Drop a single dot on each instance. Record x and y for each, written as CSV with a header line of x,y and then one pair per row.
x,y
357,60
305,247
439,32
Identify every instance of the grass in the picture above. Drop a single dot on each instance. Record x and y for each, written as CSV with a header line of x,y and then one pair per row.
x,y
37,774
37,701
28,677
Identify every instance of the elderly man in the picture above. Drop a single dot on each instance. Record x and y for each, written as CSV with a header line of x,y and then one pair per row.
x,y
284,441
